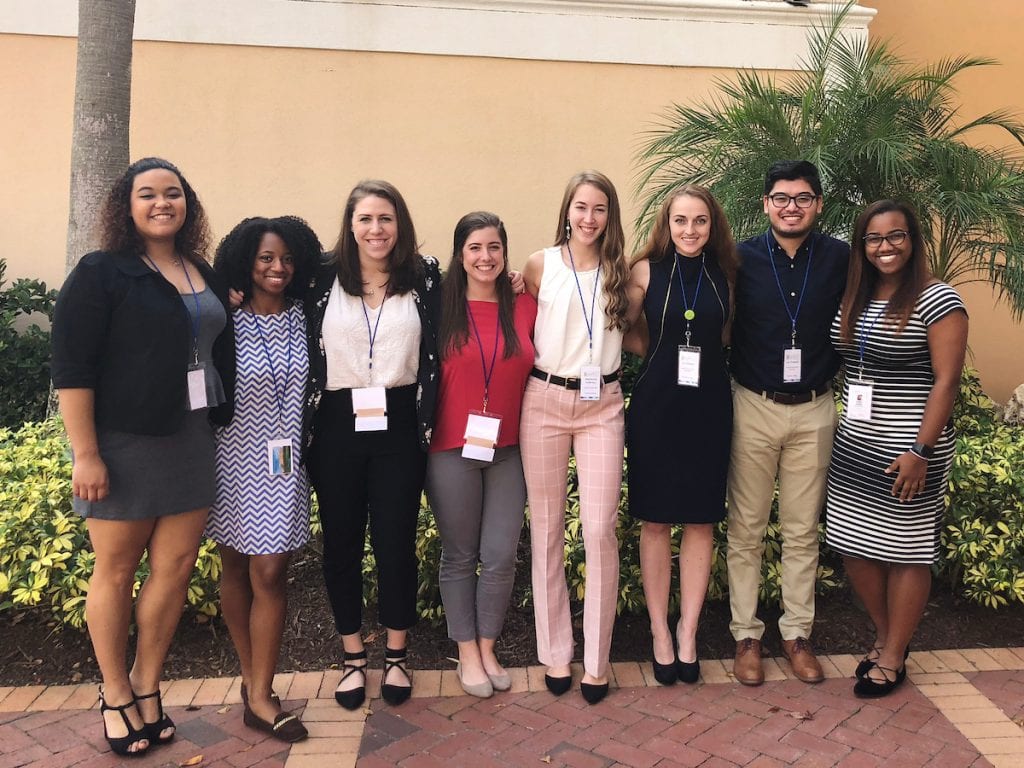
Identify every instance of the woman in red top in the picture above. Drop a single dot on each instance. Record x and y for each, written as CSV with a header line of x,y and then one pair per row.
x,y
474,471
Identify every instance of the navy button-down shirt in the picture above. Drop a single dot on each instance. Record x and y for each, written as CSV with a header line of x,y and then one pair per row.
x,y
762,327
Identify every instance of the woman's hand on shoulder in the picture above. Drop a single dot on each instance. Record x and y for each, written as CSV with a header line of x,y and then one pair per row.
x,y
89,479
235,298
515,277
533,271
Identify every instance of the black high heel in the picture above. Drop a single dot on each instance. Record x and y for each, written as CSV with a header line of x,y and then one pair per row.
x,y
558,685
594,692
688,671
395,694
665,674
353,698
163,722
122,745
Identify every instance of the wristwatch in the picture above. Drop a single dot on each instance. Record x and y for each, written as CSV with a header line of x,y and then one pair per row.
x,y
922,450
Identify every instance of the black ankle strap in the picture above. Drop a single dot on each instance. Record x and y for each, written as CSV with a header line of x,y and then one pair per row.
x,y
355,656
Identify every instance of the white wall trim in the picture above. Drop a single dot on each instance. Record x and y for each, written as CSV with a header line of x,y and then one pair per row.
x,y
768,34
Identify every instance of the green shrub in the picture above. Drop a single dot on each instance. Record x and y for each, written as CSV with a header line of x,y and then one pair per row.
x,y
24,354
45,557
983,535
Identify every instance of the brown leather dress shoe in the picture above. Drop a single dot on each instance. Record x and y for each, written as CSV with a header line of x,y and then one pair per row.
x,y
747,667
801,658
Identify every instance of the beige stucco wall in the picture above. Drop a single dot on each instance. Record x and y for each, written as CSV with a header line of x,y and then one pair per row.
x,y
930,30
273,130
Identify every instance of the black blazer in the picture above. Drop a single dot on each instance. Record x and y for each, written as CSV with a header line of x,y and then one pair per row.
x,y
122,330
427,296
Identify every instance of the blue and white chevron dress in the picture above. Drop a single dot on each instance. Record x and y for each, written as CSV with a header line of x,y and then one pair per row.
x,y
256,513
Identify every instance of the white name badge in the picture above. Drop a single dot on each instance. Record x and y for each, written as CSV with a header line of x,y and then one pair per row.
x,y
858,407
791,365
481,436
197,388
370,406
279,457
688,367
590,382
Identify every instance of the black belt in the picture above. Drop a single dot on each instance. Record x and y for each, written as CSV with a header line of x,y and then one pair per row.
x,y
790,398
558,381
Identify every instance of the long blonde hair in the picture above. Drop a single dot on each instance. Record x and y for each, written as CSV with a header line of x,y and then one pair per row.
x,y
612,241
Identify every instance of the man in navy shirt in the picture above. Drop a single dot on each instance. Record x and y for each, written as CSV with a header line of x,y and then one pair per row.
x,y
788,289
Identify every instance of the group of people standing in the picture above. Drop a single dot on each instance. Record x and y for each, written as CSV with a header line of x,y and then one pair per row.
x,y
199,398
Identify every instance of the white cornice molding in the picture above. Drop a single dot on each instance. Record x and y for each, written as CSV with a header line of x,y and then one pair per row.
x,y
766,34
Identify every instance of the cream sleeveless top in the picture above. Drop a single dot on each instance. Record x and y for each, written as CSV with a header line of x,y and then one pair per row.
x,y
560,334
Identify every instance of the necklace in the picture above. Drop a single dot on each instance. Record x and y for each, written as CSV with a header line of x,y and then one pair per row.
x,y
373,290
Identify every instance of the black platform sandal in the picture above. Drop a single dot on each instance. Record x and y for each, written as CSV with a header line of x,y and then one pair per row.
x,y
395,694
353,698
155,730
122,745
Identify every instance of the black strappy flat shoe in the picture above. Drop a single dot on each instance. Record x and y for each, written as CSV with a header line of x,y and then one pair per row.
x,y
395,694
869,688
353,698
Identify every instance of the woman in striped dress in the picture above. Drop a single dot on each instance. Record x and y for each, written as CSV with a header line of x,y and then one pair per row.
x,y
903,336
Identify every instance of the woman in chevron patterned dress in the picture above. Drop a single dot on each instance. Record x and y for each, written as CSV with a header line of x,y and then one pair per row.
x,y
902,335
261,513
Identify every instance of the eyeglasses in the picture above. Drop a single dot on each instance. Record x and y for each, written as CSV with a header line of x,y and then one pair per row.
x,y
895,239
803,200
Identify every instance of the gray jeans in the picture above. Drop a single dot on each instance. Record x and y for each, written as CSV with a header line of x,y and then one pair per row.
x,y
479,509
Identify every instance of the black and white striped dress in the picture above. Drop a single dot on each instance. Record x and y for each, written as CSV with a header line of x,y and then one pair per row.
x,y
863,518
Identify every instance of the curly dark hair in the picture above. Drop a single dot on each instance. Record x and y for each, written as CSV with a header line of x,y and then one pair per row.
x,y
236,253
405,267
117,230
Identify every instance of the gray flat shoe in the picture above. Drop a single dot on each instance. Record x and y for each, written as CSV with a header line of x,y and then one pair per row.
x,y
500,682
481,690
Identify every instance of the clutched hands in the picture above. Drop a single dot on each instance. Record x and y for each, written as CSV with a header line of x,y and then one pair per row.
x,y
89,480
910,475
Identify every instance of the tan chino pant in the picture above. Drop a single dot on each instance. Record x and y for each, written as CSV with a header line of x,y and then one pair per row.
x,y
793,442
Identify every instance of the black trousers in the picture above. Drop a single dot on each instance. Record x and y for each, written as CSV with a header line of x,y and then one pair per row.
x,y
376,477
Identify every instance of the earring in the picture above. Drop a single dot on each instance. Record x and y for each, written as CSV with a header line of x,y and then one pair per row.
x,y
568,229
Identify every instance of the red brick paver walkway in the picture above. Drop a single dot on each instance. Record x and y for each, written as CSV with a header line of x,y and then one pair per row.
x,y
959,708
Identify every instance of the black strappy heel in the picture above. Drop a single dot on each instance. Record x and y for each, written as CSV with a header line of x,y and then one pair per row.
x,y
155,730
122,745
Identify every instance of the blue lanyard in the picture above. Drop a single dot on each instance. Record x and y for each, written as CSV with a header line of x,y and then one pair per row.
x,y
589,320
494,355
373,333
278,395
689,314
799,302
193,320
866,331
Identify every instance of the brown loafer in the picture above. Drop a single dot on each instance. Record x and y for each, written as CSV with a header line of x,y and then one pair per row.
x,y
286,727
747,667
801,658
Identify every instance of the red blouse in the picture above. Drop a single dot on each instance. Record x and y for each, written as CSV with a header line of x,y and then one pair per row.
x,y
462,376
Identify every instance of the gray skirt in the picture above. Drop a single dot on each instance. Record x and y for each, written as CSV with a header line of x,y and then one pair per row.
x,y
153,476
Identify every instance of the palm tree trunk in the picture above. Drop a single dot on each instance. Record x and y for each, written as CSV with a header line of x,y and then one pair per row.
x,y
99,143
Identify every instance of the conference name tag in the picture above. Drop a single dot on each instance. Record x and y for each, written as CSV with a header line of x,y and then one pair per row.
x,y
370,406
858,408
197,387
279,457
688,367
481,436
590,382
791,365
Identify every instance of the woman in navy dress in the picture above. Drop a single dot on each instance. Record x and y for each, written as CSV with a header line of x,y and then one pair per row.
x,y
679,421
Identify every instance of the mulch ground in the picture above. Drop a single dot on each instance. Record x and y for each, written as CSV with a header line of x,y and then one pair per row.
x,y
35,650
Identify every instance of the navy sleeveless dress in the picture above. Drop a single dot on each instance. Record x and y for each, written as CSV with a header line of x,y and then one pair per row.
x,y
678,437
